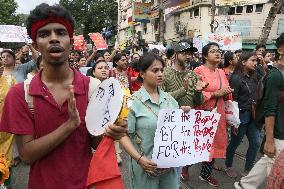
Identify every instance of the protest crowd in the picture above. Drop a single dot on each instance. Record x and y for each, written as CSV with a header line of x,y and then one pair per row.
x,y
44,95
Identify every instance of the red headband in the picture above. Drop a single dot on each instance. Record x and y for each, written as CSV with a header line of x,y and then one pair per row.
x,y
52,19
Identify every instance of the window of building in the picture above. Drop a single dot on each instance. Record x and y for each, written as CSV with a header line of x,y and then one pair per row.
x,y
177,19
259,8
223,10
156,24
139,35
147,1
232,11
191,14
249,9
239,9
145,28
196,12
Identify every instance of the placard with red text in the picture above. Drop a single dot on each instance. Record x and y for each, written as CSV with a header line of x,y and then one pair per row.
x,y
98,40
184,138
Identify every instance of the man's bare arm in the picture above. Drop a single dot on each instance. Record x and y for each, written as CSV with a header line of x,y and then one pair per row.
x,y
31,149
269,146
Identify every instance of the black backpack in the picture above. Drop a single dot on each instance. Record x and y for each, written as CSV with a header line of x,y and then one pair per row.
x,y
258,105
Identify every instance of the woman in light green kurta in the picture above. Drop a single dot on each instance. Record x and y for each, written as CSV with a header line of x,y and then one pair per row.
x,y
142,124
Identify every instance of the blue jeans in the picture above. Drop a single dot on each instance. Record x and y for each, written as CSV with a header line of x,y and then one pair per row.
x,y
248,128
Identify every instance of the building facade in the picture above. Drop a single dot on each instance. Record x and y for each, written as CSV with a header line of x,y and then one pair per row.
x,y
194,17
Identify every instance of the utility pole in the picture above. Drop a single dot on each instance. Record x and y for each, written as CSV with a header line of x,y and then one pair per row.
x,y
118,21
161,21
213,10
275,8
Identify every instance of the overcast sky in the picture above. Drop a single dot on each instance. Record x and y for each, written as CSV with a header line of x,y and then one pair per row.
x,y
25,6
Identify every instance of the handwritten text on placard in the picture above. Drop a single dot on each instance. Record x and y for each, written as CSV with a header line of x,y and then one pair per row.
x,y
184,138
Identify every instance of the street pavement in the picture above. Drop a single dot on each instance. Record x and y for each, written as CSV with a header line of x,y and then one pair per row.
x,y
20,173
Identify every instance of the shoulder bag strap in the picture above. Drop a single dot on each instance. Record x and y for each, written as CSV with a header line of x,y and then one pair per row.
x,y
220,87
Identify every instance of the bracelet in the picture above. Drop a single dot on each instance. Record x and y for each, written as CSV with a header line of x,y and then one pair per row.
x,y
139,158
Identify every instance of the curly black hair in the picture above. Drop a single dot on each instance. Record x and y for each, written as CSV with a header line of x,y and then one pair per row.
x,y
43,11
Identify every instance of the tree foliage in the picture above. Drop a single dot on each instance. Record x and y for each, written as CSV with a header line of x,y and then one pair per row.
x,y
8,12
21,19
92,15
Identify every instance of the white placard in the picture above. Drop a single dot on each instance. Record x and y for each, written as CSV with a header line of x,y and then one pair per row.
x,y
228,41
184,138
197,42
12,33
104,106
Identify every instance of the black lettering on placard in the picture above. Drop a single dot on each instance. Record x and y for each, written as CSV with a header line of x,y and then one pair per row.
x,y
164,134
172,132
101,93
184,131
174,147
184,148
170,150
184,117
169,118
160,151
106,117
111,89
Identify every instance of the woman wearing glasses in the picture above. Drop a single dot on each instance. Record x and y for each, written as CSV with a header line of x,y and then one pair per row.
x,y
215,95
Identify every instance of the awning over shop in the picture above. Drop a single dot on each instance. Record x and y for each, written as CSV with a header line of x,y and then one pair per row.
x,y
251,46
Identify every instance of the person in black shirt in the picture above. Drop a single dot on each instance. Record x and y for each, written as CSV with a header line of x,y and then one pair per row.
x,y
196,60
244,82
260,66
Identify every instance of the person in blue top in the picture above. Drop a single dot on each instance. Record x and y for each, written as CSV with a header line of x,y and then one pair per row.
x,y
142,124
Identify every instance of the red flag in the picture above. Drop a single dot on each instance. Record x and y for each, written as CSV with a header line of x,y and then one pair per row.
x,y
104,172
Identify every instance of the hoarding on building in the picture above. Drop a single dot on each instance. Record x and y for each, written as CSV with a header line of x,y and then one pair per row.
x,y
142,12
239,2
228,41
180,3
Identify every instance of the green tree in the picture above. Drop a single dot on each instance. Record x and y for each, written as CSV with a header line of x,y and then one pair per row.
x,y
7,12
275,8
22,18
92,16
